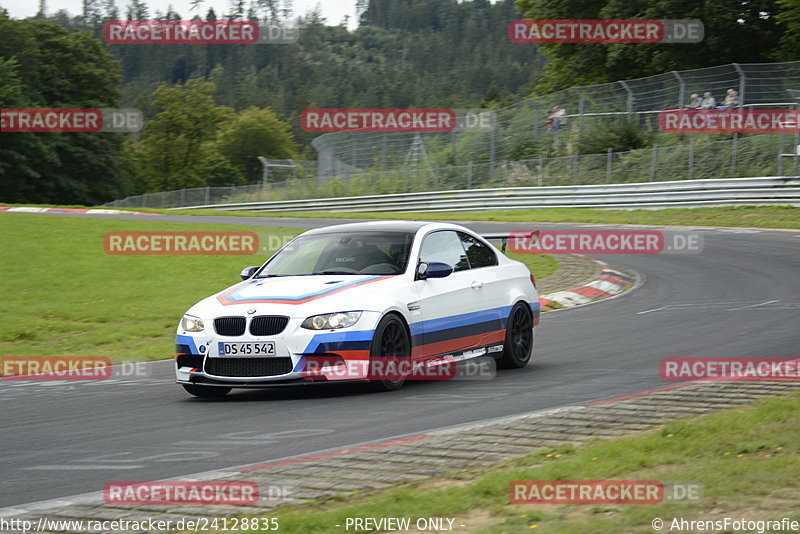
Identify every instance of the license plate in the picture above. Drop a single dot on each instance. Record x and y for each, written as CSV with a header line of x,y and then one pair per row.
x,y
262,348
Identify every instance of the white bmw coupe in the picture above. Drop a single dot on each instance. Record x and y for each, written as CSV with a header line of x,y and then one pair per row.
x,y
379,302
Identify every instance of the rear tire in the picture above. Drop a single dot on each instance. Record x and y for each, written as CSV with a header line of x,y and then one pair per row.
x,y
391,340
519,338
206,392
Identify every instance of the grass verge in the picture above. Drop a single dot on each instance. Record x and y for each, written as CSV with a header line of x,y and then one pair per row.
x,y
787,217
748,460
64,296
741,216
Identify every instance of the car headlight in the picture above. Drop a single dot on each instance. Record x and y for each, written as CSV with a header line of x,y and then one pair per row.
x,y
331,321
192,324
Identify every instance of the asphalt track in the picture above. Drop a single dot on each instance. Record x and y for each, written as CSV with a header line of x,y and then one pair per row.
x,y
739,297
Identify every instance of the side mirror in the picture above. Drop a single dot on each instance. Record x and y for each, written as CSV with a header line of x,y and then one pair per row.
x,y
248,272
433,269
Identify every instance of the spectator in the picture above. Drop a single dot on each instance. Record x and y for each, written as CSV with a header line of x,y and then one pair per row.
x,y
694,101
556,119
709,102
732,100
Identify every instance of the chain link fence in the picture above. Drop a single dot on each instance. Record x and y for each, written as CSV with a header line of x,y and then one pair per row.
x,y
523,126
742,156
354,164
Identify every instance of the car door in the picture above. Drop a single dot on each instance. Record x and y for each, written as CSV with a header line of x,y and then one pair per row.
x,y
450,306
484,267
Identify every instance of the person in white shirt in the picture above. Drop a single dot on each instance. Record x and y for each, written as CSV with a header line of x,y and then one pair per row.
x,y
709,102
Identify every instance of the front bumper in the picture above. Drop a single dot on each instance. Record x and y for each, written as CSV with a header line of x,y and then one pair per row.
x,y
301,356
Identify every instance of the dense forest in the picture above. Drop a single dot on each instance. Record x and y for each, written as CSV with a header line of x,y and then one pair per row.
x,y
211,109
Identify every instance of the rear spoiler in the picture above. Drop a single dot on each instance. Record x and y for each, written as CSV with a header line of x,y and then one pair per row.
x,y
524,234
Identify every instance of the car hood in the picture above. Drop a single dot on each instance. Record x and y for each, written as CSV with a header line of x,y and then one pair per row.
x,y
297,296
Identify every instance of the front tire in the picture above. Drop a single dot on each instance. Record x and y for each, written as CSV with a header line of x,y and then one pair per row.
x,y
206,392
391,340
519,338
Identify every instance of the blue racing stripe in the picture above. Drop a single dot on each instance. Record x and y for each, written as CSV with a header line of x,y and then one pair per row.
x,y
333,341
188,341
455,321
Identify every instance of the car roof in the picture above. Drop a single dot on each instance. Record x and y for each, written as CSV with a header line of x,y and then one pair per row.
x,y
410,227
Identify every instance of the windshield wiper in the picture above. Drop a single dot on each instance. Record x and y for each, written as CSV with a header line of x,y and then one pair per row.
x,y
333,271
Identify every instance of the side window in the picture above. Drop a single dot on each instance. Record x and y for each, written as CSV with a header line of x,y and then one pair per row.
x,y
444,247
479,255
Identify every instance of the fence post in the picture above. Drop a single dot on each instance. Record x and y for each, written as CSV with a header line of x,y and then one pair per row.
x,y
691,157
794,158
493,147
436,178
208,195
780,154
734,148
405,174
575,163
541,170
630,96
681,89
183,197
742,82
654,162
609,163
505,172
383,152
469,175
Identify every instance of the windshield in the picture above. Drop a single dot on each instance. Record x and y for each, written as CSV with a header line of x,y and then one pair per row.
x,y
342,253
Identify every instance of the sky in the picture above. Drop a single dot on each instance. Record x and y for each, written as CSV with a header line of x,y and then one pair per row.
x,y
333,10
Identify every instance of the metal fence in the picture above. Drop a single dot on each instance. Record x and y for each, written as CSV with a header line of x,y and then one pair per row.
x,y
383,163
742,156
523,125
763,191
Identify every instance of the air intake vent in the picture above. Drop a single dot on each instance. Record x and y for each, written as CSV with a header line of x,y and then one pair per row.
x,y
268,325
229,326
248,367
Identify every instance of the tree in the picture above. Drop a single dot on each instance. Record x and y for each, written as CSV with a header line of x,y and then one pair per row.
x,y
255,132
44,66
789,18
735,31
169,156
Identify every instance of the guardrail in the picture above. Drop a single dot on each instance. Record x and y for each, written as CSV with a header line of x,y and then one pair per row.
x,y
766,191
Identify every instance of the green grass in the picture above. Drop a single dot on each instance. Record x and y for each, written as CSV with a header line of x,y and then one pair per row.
x,y
741,216
748,460
540,265
786,217
63,295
